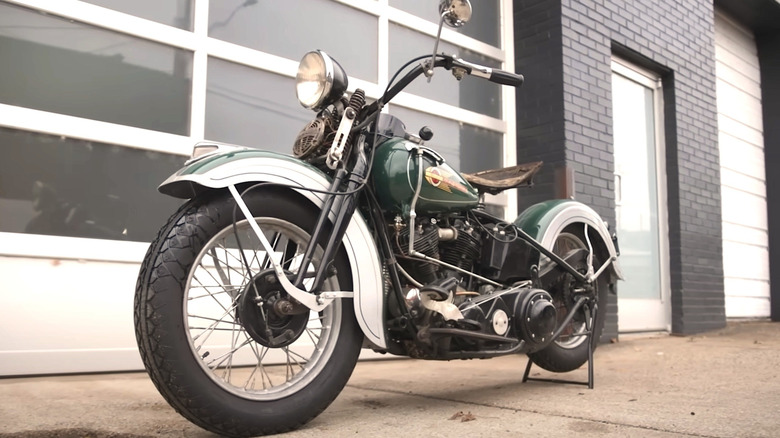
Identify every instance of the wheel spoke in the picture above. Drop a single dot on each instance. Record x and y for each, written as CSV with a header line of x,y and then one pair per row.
x,y
315,338
216,321
226,356
195,278
224,291
291,360
230,254
238,362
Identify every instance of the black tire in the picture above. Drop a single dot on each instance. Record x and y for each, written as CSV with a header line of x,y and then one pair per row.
x,y
567,353
179,335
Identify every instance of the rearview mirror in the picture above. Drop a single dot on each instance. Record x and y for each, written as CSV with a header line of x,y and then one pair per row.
x,y
455,13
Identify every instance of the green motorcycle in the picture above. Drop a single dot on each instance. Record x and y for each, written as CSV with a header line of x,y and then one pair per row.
x,y
256,298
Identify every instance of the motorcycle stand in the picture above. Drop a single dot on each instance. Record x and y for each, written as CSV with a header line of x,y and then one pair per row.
x,y
591,340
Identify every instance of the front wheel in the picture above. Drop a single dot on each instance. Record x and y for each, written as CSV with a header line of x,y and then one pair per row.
x,y
223,343
570,350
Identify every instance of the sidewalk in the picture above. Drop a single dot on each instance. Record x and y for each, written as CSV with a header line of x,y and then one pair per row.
x,y
719,384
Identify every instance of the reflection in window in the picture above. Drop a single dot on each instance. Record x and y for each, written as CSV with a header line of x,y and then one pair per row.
x,y
66,187
176,13
485,23
466,148
471,93
252,107
62,66
293,27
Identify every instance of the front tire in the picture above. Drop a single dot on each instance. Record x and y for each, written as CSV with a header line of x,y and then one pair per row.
x,y
570,351
191,319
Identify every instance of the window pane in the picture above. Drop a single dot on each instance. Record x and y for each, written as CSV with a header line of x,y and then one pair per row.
x,y
252,107
466,148
176,13
68,187
472,93
293,27
485,23
62,66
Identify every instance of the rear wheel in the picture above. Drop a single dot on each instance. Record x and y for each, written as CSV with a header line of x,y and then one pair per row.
x,y
570,350
222,341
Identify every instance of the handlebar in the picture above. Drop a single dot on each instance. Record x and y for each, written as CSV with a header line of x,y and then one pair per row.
x,y
506,78
492,74
449,62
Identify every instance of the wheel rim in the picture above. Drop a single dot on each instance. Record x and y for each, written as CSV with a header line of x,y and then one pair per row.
x,y
220,344
571,337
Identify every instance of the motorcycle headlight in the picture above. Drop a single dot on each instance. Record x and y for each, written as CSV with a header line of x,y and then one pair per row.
x,y
320,80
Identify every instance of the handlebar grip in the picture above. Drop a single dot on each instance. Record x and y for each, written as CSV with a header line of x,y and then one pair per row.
x,y
506,78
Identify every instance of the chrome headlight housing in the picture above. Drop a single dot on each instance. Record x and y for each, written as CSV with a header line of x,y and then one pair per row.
x,y
320,80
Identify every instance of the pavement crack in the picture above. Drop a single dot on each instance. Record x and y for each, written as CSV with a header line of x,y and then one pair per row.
x,y
533,411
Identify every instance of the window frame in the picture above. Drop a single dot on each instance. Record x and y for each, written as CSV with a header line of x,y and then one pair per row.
x,y
660,315
202,47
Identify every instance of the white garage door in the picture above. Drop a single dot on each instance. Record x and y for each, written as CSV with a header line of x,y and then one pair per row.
x,y
743,182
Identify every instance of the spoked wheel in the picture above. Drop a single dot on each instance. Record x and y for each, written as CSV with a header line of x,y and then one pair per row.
x,y
222,341
570,350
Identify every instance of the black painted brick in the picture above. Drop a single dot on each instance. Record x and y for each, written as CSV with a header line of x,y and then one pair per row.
x,y
566,60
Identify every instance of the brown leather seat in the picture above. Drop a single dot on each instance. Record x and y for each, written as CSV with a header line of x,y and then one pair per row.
x,y
497,180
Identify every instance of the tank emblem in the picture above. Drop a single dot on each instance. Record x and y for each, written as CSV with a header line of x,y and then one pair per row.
x,y
441,180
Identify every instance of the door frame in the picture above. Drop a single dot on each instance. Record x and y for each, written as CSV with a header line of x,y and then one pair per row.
x,y
654,82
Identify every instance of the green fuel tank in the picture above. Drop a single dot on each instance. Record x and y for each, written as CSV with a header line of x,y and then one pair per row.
x,y
395,176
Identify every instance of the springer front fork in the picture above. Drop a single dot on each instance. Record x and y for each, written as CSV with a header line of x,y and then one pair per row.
x,y
341,200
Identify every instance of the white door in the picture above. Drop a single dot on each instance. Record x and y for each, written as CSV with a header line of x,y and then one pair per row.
x,y
742,171
643,298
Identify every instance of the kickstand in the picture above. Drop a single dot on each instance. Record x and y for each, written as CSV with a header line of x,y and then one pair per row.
x,y
591,340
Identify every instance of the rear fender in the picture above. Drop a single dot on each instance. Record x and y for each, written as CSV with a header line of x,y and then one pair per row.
x,y
546,220
238,166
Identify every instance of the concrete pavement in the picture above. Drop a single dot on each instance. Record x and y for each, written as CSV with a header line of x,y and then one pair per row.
x,y
718,384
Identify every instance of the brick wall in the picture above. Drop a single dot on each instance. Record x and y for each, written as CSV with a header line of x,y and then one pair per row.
x,y
567,45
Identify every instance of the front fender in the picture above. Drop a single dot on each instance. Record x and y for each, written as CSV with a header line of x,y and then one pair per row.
x,y
252,165
544,221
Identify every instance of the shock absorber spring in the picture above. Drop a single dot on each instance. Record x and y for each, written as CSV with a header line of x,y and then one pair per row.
x,y
356,102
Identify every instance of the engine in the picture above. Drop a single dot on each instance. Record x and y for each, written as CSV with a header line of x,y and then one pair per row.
x,y
456,245
457,311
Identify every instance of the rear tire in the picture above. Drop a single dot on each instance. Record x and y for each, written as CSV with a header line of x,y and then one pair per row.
x,y
567,353
193,342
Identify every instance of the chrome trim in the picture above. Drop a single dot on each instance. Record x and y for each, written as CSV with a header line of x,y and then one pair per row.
x,y
329,78
221,147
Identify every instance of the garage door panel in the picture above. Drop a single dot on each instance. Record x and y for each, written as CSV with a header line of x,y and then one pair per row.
x,y
743,208
745,261
741,156
730,75
749,70
735,46
735,38
739,307
747,288
741,233
741,106
740,130
742,182
743,175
